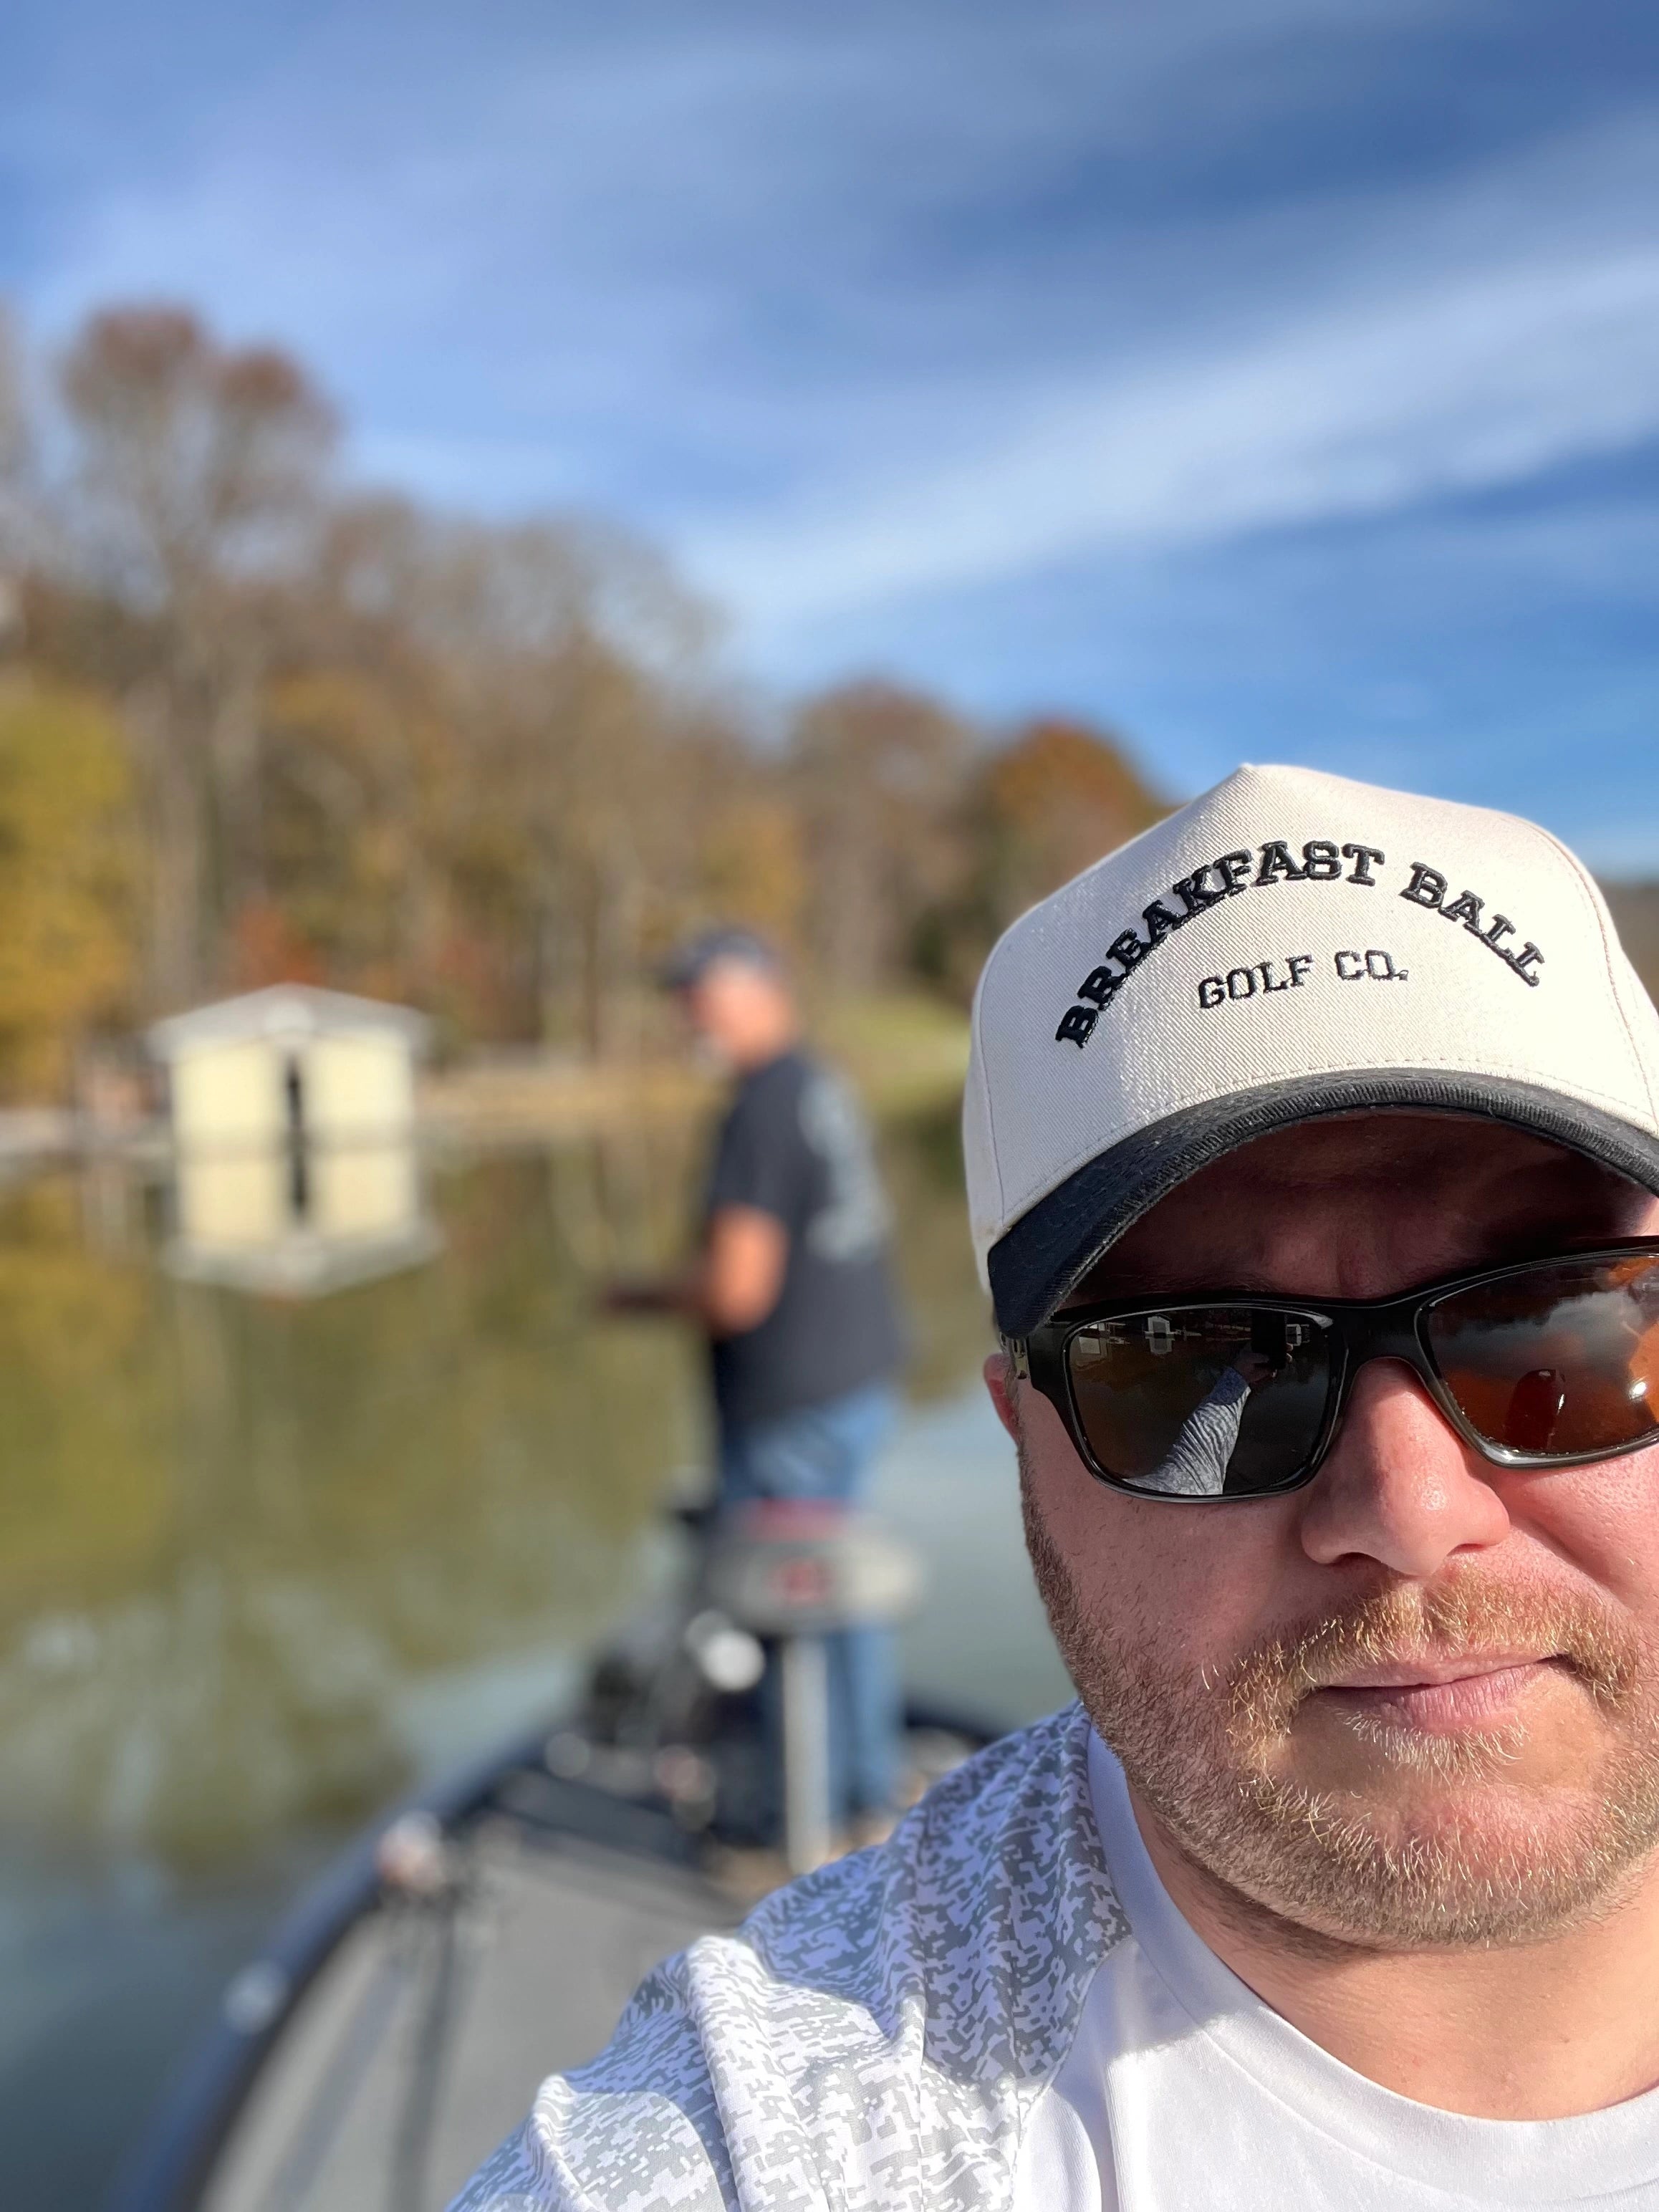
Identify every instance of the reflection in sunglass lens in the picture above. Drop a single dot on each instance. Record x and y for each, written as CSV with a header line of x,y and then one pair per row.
x,y
1193,1401
1556,1360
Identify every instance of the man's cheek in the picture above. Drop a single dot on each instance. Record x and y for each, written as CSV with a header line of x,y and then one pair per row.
x,y
1603,1522
1205,1596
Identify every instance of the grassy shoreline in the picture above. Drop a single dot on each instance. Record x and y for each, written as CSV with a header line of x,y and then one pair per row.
x,y
904,1053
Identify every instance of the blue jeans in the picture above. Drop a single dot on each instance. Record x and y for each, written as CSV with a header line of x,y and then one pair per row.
x,y
827,1452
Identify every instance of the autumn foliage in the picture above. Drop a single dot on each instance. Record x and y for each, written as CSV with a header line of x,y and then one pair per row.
x,y
254,726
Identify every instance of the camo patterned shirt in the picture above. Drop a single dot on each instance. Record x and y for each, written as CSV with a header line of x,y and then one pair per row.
x,y
874,2038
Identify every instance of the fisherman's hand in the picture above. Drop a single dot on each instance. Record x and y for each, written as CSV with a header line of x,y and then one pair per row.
x,y
1255,1366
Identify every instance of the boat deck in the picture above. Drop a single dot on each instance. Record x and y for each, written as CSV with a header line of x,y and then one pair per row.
x,y
424,2040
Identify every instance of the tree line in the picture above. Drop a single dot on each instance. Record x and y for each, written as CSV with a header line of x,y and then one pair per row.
x,y
258,724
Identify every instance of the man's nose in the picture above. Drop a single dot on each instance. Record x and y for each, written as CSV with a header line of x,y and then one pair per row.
x,y
1399,1485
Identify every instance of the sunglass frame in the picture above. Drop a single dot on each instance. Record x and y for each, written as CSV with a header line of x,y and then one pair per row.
x,y
1361,1330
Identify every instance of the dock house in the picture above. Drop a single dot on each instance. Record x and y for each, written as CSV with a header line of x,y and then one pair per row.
x,y
291,1112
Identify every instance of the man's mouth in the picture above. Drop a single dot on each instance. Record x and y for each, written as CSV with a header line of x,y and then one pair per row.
x,y
1443,1696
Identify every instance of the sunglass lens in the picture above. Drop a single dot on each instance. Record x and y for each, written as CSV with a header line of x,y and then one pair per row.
x,y
1556,1361
1201,1401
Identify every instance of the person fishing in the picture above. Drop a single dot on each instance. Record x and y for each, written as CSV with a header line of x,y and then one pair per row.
x,y
791,1289
1337,1890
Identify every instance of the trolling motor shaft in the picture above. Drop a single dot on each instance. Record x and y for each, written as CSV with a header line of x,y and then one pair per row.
x,y
797,1571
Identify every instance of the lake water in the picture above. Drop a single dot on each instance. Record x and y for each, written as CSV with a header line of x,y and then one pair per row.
x,y
266,1561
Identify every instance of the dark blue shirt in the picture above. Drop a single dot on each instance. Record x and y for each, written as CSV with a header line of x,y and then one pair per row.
x,y
795,1144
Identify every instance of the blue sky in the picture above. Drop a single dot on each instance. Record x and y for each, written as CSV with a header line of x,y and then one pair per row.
x,y
1273,379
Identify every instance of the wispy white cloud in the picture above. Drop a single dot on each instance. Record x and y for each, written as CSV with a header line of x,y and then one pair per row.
x,y
702,281
1459,384
720,227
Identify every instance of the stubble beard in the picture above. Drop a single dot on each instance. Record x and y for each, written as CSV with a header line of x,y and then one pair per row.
x,y
1202,1747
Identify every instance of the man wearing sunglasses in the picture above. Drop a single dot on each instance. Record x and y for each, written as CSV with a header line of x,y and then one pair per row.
x,y
1311,1142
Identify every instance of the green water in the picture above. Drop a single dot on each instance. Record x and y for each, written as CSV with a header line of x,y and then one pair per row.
x,y
263,1562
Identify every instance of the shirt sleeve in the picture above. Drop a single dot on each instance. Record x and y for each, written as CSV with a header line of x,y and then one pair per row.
x,y
1198,1460
874,2036
640,2129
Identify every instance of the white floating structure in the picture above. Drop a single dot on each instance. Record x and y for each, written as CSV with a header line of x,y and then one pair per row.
x,y
293,1122
290,1063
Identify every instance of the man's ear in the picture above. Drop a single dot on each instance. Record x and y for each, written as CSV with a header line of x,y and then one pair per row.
x,y
1003,1385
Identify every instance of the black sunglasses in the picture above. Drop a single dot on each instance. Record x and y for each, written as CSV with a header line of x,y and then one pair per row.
x,y
1553,1363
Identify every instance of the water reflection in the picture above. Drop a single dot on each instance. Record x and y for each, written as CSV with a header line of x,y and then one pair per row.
x,y
299,1220
234,1529
260,1557
263,1559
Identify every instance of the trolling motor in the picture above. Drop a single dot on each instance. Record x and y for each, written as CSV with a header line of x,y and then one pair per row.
x,y
795,1571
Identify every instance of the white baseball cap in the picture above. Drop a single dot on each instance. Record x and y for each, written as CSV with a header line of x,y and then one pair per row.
x,y
1290,945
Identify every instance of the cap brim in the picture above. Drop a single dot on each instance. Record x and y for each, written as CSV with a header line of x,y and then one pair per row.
x,y
1049,1249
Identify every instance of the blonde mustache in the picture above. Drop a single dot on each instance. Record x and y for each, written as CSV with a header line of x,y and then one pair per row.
x,y
1463,1615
